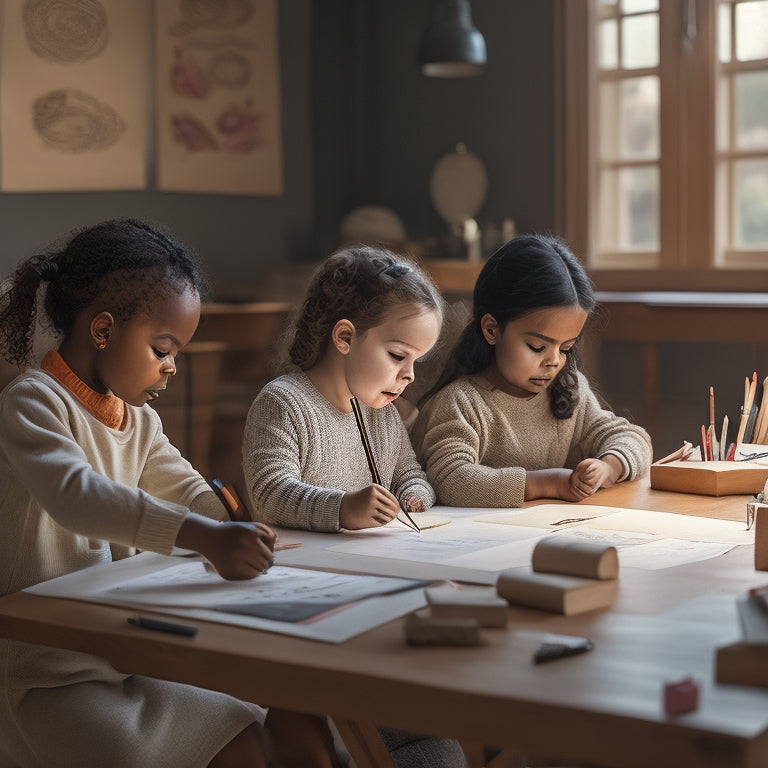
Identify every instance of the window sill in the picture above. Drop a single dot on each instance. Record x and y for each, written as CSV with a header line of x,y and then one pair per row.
x,y
716,280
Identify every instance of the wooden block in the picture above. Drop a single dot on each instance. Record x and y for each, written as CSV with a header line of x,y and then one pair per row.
x,y
422,629
481,604
761,537
742,664
575,557
555,592
710,478
681,696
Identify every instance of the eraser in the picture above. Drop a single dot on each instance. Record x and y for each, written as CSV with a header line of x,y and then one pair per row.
x,y
482,605
423,629
681,696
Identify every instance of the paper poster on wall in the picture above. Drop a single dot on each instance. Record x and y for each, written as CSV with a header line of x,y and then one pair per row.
x,y
74,95
218,97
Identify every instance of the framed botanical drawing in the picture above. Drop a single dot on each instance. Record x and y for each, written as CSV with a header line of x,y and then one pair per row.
x,y
75,95
218,97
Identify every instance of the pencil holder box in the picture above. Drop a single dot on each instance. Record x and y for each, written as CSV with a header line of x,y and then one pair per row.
x,y
761,537
710,478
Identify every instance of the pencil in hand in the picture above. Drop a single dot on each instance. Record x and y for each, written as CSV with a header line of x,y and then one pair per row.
x,y
228,497
369,456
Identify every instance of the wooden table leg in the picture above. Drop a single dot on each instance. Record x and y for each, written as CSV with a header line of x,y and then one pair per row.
x,y
476,755
364,744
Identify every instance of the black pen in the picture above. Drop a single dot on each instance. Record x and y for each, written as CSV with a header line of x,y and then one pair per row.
x,y
162,626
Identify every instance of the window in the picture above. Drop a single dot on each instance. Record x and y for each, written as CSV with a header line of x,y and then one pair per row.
x,y
665,137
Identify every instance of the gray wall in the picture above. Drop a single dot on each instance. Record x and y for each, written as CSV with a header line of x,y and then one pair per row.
x,y
378,137
361,125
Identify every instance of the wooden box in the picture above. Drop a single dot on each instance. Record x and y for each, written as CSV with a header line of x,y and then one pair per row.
x,y
742,664
710,478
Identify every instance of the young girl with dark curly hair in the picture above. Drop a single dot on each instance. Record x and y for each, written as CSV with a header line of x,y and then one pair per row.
x,y
88,476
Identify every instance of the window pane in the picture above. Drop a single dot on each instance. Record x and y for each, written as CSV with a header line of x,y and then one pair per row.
x,y
608,45
752,30
605,9
751,203
635,6
640,41
724,33
629,209
610,124
639,118
751,118
639,208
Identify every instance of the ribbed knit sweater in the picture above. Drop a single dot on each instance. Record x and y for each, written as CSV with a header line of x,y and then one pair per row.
x,y
301,454
477,441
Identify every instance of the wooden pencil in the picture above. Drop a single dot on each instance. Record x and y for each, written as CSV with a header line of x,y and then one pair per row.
x,y
369,455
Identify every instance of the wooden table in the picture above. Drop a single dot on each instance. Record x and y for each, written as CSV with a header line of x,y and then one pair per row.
x,y
603,707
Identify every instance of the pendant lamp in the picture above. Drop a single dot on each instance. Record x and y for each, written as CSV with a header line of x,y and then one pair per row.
x,y
451,46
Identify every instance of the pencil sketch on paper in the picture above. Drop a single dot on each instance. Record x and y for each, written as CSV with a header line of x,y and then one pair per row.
x,y
241,128
230,69
191,133
211,15
65,32
227,69
218,96
187,76
73,121
235,127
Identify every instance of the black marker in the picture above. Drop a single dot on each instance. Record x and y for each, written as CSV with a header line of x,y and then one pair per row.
x,y
163,626
559,646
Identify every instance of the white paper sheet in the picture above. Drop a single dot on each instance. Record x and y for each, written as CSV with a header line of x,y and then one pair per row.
x,y
480,543
149,581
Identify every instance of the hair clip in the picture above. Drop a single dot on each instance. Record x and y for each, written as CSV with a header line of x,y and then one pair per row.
x,y
395,270
48,271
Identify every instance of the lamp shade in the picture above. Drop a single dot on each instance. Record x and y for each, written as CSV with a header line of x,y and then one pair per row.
x,y
451,46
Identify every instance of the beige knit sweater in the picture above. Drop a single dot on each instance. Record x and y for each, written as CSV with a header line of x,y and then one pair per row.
x,y
300,455
477,442
77,493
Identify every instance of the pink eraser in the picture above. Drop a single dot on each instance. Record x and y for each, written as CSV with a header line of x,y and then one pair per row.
x,y
681,696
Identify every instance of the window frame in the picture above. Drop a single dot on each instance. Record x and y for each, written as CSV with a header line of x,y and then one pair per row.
x,y
687,259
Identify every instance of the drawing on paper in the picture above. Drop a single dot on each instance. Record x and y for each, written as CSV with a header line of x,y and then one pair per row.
x,y
218,96
241,128
65,31
230,69
191,133
237,127
187,76
73,121
211,15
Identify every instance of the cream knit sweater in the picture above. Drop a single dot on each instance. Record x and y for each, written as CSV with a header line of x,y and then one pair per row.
x,y
77,493
477,442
